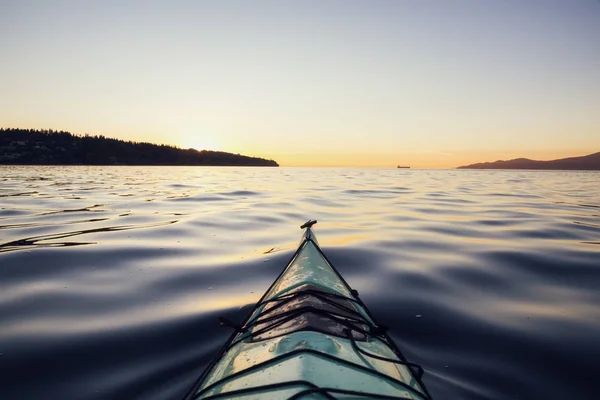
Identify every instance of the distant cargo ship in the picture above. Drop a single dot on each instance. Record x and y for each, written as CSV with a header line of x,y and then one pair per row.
x,y
402,166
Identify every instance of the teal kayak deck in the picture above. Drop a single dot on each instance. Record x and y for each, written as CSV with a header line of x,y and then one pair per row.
x,y
310,337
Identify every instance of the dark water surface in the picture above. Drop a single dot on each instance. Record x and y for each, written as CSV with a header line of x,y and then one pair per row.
x,y
112,278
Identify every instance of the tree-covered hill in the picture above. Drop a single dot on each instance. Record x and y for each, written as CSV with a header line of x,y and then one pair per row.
x,y
589,162
48,147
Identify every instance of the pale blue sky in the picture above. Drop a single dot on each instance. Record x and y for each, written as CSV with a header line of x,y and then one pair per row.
x,y
428,82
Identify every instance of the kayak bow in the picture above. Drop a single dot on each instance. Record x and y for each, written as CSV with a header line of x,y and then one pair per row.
x,y
310,337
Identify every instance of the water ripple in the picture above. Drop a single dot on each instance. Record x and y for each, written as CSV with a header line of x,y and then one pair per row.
x,y
502,268
43,240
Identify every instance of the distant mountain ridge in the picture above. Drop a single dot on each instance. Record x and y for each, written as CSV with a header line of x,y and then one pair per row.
x,y
48,147
589,162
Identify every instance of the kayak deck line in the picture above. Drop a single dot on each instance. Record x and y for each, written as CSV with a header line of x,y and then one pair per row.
x,y
309,336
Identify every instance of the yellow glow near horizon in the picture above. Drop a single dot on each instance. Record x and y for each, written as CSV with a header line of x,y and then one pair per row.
x,y
414,160
204,142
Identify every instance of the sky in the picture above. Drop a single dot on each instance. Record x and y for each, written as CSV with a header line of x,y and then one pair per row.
x,y
425,83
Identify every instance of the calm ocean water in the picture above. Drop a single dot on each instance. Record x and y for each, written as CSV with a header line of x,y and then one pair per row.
x,y
112,278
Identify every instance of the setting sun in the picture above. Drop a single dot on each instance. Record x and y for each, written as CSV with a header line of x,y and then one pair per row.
x,y
201,143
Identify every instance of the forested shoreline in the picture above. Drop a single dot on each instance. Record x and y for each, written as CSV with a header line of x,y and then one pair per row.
x,y
49,147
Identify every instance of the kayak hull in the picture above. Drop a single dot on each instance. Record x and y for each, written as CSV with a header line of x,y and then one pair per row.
x,y
310,337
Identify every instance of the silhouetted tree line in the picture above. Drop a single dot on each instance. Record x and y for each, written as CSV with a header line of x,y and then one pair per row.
x,y
49,147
